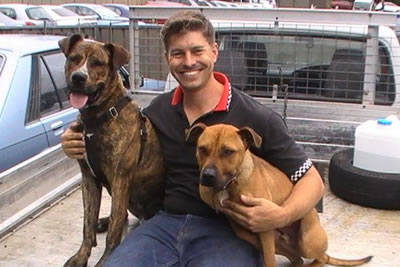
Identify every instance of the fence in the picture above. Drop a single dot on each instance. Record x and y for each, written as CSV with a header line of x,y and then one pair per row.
x,y
301,54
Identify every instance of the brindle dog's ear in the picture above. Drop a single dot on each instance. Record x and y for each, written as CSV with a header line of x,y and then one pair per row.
x,y
119,55
68,43
194,132
250,137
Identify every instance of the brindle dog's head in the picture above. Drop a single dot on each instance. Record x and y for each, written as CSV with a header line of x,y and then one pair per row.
x,y
91,69
220,152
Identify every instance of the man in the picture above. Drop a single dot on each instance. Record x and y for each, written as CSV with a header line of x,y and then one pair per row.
x,y
187,232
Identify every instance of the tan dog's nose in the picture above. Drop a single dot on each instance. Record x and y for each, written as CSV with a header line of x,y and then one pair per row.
x,y
208,176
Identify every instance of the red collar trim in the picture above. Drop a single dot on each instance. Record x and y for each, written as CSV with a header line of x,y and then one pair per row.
x,y
225,100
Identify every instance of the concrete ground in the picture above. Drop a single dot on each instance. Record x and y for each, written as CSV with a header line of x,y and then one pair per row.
x,y
53,236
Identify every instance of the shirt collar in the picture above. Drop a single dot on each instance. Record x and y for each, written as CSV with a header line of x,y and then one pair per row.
x,y
226,97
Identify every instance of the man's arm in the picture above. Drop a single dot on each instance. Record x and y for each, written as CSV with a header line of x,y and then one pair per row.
x,y
258,214
73,143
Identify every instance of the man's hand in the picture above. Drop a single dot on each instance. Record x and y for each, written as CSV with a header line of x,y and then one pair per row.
x,y
256,214
73,143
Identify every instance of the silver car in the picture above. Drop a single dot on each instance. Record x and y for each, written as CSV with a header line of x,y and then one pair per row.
x,y
30,15
34,107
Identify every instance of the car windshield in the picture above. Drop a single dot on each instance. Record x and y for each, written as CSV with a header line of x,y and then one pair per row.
x,y
37,13
63,12
105,12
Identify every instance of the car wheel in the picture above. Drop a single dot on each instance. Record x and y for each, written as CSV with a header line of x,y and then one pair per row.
x,y
367,188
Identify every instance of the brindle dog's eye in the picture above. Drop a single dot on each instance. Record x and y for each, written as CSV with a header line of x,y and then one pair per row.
x,y
226,152
75,58
98,63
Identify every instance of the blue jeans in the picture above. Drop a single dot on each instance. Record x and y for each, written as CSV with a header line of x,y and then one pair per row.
x,y
184,240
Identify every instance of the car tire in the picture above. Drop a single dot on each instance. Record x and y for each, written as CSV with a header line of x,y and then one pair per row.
x,y
366,188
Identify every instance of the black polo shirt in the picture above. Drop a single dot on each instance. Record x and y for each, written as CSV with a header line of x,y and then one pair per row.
x,y
236,108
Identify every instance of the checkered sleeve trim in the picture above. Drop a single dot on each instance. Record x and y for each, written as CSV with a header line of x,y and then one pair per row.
x,y
301,171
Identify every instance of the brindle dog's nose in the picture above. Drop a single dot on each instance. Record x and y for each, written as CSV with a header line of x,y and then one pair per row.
x,y
208,177
79,78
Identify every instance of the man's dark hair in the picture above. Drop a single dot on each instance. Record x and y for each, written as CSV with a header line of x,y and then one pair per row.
x,y
187,21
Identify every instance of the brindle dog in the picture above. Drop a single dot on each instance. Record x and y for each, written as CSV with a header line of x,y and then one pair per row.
x,y
123,153
228,169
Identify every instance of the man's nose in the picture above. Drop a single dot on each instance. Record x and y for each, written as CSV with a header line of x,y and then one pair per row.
x,y
189,59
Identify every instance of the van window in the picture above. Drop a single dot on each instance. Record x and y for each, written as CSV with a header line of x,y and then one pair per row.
x,y
313,67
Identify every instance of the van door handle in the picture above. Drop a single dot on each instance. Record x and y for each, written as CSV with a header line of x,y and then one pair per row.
x,y
56,125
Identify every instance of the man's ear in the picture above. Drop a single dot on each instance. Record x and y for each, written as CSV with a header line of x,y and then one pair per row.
x,y
249,137
193,134
215,51
119,55
68,43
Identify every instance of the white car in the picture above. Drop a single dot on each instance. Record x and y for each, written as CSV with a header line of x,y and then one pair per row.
x,y
103,15
66,17
30,15
6,21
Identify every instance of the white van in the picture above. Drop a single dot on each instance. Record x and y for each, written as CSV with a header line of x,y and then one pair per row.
x,y
367,5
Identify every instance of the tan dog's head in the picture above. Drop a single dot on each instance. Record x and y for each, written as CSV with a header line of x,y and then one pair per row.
x,y
91,69
220,152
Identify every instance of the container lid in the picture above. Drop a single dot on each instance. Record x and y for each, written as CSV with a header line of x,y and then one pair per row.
x,y
384,122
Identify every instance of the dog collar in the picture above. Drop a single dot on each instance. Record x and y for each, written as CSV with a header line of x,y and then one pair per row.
x,y
111,113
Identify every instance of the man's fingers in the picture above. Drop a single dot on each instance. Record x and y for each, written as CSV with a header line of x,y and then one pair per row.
x,y
234,206
251,201
237,217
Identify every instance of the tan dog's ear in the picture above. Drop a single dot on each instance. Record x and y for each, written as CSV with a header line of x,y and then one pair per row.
x,y
250,137
194,132
119,55
68,43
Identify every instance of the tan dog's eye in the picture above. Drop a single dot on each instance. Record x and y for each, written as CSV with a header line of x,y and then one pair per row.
x,y
203,151
226,152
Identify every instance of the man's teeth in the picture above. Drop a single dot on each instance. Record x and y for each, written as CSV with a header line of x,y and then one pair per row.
x,y
190,73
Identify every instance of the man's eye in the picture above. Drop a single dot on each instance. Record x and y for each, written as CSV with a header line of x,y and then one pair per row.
x,y
198,52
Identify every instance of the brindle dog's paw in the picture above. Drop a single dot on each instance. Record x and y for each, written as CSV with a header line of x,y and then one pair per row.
x,y
102,224
75,261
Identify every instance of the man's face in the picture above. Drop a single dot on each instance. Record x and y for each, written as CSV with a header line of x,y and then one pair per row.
x,y
191,59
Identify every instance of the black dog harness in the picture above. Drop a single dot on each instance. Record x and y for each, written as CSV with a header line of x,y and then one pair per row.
x,y
90,136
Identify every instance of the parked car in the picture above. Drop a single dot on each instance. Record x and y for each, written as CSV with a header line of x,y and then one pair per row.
x,y
30,15
120,9
342,4
123,10
34,107
366,5
66,17
7,21
104,15
387,7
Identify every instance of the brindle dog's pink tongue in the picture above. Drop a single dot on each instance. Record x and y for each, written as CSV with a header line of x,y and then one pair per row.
x,y
77,100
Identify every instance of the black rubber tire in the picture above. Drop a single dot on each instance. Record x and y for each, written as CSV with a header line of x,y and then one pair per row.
x,y
366,188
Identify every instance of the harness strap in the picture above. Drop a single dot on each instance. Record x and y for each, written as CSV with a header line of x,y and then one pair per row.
x,y
90,136
143,133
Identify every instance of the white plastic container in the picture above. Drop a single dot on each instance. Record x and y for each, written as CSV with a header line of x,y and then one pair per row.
x,y
377,145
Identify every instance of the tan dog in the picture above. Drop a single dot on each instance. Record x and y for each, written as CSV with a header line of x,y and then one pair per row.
x,y
122,148
228,169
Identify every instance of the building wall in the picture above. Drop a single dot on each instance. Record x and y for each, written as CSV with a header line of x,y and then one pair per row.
x,y
59,2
